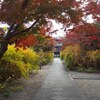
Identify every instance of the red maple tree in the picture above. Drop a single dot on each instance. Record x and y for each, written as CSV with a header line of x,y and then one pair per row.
x,y
17,13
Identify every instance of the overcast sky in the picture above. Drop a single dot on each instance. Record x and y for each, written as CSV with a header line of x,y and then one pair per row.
x,y
60,32
56,26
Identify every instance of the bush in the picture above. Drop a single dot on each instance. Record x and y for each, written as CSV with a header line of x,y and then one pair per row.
x,y
78,59
31,58
69,59
17,63
94,59
62,54
72,56
45,57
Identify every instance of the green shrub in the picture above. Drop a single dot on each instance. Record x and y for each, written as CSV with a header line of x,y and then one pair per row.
x,y
18,88
4,91
62,53
17,63
45,57
69,59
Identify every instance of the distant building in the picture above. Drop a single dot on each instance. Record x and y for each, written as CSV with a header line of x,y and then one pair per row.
x,y
57,47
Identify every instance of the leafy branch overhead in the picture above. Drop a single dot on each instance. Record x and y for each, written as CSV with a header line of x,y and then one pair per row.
x,y
18,13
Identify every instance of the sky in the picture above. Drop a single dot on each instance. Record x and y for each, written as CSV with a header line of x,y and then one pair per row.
x,y
3,25
60,32
56,26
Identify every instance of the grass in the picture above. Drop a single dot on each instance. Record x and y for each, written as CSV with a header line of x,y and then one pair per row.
x,y
6,90
17,88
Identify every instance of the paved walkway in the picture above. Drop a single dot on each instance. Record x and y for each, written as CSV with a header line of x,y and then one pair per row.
x,y
58,85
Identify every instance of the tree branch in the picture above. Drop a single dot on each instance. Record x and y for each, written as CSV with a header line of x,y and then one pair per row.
x,y
11,27
9,31
25,30
16,27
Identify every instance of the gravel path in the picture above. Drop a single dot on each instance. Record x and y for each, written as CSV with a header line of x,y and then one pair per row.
x,y
91,88
58,85
89,83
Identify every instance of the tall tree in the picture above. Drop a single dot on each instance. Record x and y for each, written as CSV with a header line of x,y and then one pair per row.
x,y
17,13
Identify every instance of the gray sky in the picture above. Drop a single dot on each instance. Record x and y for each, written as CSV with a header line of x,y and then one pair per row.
x,y
57,26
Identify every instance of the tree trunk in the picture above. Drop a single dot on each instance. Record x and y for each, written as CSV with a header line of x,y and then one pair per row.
x,y
3,48
5,41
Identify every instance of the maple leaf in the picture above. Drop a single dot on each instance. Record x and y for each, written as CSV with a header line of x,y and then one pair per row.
x,y
26,41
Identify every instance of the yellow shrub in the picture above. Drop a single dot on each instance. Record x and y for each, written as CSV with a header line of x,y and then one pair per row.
x,y
72,55
94,59
94,55
30,57
45,57
17,63
62,54
77,58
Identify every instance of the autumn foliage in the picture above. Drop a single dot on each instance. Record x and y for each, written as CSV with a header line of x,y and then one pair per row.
x,y
86,35
17,13
26,41
81,60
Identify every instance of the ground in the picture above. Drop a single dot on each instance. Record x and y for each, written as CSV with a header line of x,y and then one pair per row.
x,y
89,83
53,82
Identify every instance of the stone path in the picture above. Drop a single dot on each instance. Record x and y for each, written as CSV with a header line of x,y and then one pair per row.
x,y
58,85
